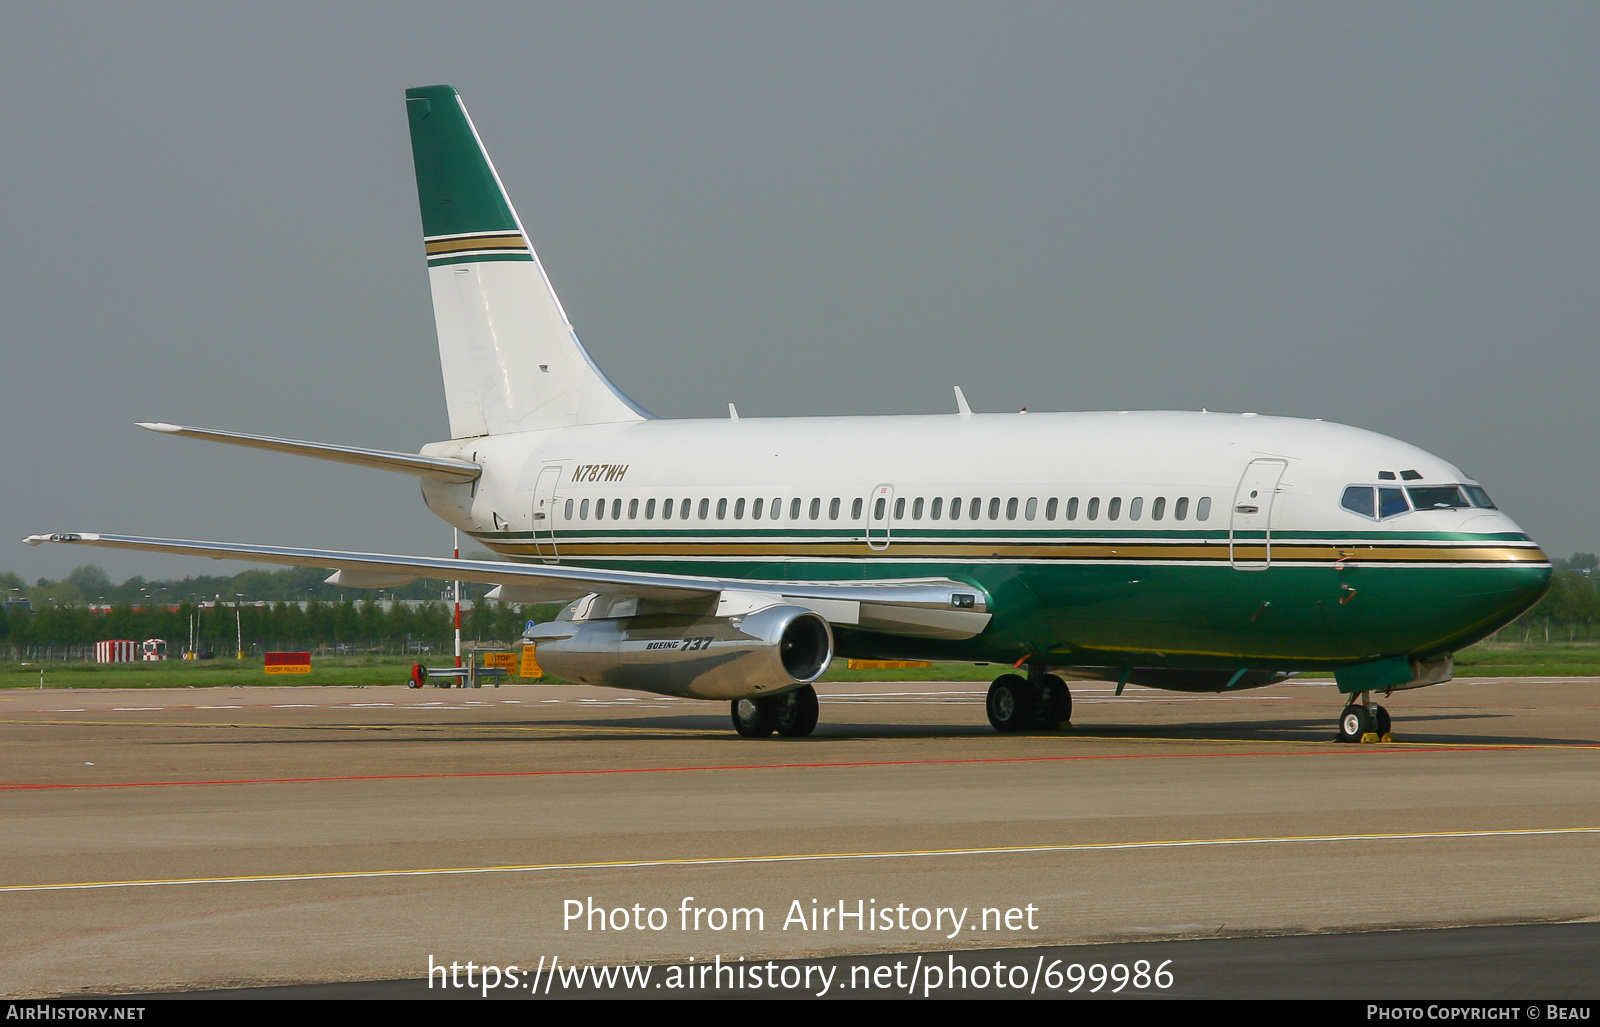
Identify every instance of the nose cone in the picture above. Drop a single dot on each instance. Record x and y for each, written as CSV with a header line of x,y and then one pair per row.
x,y
1486,597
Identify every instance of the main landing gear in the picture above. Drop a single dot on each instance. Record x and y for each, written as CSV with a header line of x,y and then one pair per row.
x,y
1038,702
792,714
1364,721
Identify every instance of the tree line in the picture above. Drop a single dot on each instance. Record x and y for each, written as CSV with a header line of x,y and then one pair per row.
x,y
285,625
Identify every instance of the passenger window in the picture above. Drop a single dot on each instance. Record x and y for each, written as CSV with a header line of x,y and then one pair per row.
x,y
568,512
755,509
1134,506
1072,509
1358,499
1030,511
1050,510
633,509
1202,509
1392,502
1094,508
599,509
777,508
650,509
816,508
738,509
1158,506
1114,508
974,508
1438,497
936,509
900,509
878,506
794,509
1011,509
916,509
666,510
616,509
683,509
955,509
722,509
583,510
833,509
994,509
705,508
1181,509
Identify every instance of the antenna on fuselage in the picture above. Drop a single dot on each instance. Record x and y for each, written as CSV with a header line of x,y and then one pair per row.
x,y
733,412
961,403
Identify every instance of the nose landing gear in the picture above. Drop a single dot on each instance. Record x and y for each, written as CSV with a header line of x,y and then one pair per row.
x,y
1364,721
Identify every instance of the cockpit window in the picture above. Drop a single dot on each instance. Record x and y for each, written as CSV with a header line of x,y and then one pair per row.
x,y
1381,502
1392,502
1358,499
1438,497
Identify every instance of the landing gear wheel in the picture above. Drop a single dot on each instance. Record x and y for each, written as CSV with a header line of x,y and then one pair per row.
x,y
1053,703
1380,721
796,713
754,718
1010,703
1353,723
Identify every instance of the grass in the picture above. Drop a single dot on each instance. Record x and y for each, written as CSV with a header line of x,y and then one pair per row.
x,y
1487,659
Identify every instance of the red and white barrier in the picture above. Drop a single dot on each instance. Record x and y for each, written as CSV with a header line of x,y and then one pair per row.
x,y
116,651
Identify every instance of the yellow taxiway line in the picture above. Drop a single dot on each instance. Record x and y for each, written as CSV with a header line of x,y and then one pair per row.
x,y
807,857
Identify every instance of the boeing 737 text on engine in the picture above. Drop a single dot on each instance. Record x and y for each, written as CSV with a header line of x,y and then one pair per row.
x,y
1187,551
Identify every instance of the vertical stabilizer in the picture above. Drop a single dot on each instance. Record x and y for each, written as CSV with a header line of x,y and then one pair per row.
x,y
511,360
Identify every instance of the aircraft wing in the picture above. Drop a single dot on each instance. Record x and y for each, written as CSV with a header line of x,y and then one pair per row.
x,y
918,608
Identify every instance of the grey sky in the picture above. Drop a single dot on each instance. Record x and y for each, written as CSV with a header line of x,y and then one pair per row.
x,y
1379,214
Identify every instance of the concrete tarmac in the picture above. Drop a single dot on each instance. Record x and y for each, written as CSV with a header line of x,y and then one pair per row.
x,y
158,840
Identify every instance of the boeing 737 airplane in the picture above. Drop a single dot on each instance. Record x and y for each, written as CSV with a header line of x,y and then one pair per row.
x,y
732,559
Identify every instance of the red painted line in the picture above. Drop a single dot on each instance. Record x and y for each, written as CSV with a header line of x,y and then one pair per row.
x,y
776,766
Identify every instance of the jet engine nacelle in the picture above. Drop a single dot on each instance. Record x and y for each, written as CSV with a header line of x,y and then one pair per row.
x,y
766,652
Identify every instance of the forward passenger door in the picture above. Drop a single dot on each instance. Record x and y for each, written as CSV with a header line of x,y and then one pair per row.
x,y
1250,527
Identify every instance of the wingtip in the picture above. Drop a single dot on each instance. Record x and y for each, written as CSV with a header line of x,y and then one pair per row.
x,y
160,426
58,536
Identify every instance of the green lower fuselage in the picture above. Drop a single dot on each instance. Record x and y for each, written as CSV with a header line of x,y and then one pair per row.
x,y
1195,600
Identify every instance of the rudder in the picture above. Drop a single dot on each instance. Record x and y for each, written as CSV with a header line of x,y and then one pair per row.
x,y
510,358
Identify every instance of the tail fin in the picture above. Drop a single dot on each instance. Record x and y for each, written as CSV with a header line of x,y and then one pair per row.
x,y
511,359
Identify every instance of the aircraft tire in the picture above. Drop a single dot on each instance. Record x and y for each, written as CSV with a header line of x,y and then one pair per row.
x,y
796,712
1380,720
1008,703
1353,723
754,718
1053,703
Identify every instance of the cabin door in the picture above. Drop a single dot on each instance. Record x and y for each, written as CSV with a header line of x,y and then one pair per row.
x,y
544,513
880,517
1250,530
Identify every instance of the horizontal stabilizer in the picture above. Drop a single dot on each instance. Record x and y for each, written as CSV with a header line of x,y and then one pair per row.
x,y
439,467
922,608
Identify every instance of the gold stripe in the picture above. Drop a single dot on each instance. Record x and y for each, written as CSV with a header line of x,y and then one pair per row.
x,y
1217,551
480,242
